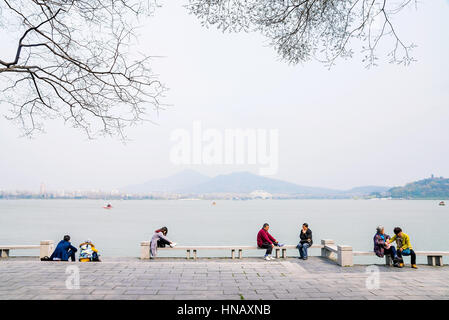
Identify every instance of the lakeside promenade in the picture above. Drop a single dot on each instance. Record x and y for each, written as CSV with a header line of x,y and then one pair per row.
x,y
216,279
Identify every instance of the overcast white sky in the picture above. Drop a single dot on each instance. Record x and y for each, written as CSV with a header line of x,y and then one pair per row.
x,y
338,128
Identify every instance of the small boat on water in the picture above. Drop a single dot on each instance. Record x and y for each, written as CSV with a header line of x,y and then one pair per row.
x,y
108,206
441,203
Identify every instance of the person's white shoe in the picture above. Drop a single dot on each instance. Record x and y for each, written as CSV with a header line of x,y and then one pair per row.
x,y
173,244
272,258
267,258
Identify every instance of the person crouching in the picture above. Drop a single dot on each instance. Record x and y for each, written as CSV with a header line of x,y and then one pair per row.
x,y
64,250
160,240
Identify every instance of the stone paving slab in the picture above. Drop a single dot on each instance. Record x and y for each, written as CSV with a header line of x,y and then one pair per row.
x,y
217,279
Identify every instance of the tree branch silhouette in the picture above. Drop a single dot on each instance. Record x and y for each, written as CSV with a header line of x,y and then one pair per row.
x,y
302,30
74,61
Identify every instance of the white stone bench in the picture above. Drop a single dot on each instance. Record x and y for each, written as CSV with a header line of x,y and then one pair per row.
x,y
280,252
341,253
45,247
434,258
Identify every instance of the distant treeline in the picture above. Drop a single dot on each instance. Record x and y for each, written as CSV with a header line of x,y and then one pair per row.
x,y
431,188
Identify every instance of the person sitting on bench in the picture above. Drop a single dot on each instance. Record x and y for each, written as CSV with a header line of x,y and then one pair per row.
x,y
88,252
266,241
404,247
382,247
305,242
160,240
64,250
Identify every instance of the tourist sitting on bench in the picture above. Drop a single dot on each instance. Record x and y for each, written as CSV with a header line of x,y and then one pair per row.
x,y
305,242
382,247
266,241
160,240
64,250
88,252
404,247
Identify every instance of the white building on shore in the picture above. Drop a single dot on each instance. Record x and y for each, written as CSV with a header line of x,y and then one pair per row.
x,y
260,194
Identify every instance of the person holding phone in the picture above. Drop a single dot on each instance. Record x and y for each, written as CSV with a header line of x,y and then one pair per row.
x,y
305,242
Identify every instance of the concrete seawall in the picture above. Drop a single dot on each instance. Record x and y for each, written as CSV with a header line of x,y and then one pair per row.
x,y
248,278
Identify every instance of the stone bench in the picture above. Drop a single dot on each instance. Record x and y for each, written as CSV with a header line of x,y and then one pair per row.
x,y
342,254
45,247
327,249
192,250
434,258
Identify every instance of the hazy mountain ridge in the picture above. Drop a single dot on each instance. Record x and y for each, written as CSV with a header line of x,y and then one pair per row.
x,y
192,182
245,182
367,189
180,180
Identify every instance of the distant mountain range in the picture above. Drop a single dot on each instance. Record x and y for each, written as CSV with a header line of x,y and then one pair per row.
x,y
245,182
179,181
192,182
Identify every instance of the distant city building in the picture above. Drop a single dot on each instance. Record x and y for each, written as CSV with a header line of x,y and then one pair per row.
x,y
42,190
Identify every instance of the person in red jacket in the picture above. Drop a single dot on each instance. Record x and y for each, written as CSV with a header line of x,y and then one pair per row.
x,y
266,241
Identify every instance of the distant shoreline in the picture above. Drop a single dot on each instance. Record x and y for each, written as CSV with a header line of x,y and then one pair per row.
x,y
227,199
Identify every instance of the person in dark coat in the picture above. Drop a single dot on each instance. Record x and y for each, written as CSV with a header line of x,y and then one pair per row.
x,y
305,241
383,247
64,250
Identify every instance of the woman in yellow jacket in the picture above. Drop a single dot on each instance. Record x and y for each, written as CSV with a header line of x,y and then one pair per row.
x,y
404,247
88,252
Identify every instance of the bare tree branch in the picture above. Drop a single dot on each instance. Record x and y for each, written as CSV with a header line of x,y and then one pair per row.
x,y
73,61
301,30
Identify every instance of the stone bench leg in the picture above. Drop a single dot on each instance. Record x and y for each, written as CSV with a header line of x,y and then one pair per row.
x,y
344,256
187,254
233,254
388,261
326,253
194,254
277,253
47,246
240,253
4,253
144,249
284,253
435,260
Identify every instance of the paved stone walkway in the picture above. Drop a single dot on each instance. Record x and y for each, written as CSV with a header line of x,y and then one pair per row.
x,y
250,278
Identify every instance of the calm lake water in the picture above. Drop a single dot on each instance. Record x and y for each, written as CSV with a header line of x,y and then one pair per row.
x,y
118,232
